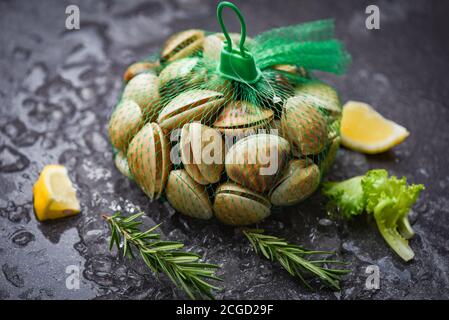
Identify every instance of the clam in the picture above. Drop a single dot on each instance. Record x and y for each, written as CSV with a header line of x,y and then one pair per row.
x,y
125,121
140,67
330,155
304,126
190,106
213,44
182,44
121,163
149,159
236,205
238,117
202,152
257,161
289,68
187,196
276,127
286,75
320,95
178,75
144,90
299,180
334,129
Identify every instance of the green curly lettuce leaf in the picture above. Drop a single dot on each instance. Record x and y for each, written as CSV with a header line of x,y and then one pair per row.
x,y
346,195
389,199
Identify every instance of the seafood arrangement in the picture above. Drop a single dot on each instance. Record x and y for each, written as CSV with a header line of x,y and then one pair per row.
x,y
230,133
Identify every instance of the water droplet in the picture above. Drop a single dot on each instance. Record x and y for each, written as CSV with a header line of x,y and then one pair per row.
x,y
36,77
48,142
423,172
412,216
19,214
19,134
326,226
95,141
177,235
22,238
80,247
93,236
98,269
46,116
11,205
13,128
93,171
70,158
87,118
12,160
12,275
422,206
87,94
265,276
325,222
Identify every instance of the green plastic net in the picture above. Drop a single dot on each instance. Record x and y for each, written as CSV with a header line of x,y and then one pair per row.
x,y
214,145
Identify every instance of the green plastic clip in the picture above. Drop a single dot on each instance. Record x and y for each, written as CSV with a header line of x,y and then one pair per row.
x,y
236,65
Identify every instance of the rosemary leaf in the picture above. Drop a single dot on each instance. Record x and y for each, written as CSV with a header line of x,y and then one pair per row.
x,y
293,259
182,268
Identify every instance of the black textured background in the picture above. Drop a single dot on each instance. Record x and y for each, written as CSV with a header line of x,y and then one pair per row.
x,y
57,88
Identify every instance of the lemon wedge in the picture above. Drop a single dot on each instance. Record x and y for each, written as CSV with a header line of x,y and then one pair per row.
x,y
54,194
365,130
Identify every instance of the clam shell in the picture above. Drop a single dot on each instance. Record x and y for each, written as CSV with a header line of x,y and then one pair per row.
x,y
304,126
300,179
237,117
286,68
121,163
192,105
125,122
187,196
289,68
213,44
331,154
334,129
202,152
257,161
286,75
140,67
236,205
149,159
182,44
180,73
276,125
320,95
144,90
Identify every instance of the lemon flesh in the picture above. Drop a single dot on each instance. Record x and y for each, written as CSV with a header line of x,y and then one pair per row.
x,y
365,130
54,194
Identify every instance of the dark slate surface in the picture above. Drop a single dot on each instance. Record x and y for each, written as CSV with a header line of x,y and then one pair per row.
x,y
57,88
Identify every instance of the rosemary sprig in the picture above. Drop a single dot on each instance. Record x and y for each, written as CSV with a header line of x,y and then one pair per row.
x,y
181,267
292,258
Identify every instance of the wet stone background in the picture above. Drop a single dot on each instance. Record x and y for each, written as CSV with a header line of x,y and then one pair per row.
x,y
57,89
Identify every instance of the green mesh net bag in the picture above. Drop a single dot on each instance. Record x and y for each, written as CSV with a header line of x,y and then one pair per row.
x,y
227,126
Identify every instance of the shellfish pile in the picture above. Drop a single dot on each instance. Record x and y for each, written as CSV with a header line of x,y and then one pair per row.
x,y
215,147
